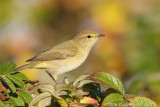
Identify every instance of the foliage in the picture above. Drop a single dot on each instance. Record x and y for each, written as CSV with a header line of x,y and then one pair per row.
x,y
142,102
85,91
65,94
13,87
17,90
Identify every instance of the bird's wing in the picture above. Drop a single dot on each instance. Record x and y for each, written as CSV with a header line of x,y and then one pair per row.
x,y
55,54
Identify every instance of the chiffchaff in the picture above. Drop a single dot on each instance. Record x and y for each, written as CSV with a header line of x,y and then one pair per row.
x,y
64,57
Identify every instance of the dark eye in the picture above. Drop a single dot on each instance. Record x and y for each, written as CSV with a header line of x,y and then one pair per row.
x,y
89,36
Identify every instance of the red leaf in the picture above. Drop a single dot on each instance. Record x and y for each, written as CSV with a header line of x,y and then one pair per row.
x,y
4,88
88,100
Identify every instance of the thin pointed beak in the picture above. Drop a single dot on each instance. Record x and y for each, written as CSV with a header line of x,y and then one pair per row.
x,y
101,35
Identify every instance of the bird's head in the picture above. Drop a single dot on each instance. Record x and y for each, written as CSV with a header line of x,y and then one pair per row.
x,y
88,37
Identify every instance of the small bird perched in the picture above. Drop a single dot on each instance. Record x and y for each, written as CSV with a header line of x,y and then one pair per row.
x,y
65,56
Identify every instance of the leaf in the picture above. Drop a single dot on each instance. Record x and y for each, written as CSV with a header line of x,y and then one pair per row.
x,y
69,99
40,97
81,92
113,98
92,87
45,87
9,83
84,82
45,102
63,103
7,105
82,77
142,102
61,87
88,100
17,101
129,97
10,67
1,104
26,96
108,79
1,68
16,80
3,88
109,91
20,76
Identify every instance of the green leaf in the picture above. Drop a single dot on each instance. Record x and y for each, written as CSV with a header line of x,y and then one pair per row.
x,y
40,97
9,83
45,102
7,105
108,79
63,103
10,67
2,68
0,82
142,102
16,80
17,101
69,99
109,91
1,104
20,76
26,96
82,77
114,99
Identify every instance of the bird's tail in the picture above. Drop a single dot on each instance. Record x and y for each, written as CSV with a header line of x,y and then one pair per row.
x,y
26,66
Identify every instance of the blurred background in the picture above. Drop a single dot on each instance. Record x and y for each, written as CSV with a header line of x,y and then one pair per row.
x,y
130,51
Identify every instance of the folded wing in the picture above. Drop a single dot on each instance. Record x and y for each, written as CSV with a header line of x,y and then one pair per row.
x,y
56,53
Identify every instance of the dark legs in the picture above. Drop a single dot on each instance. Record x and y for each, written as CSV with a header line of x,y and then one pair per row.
x,y
51,77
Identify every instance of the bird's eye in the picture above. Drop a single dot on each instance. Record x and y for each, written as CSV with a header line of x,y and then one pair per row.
x,y
89,36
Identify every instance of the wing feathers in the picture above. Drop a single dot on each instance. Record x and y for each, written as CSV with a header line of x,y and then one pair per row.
x,y
56,53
